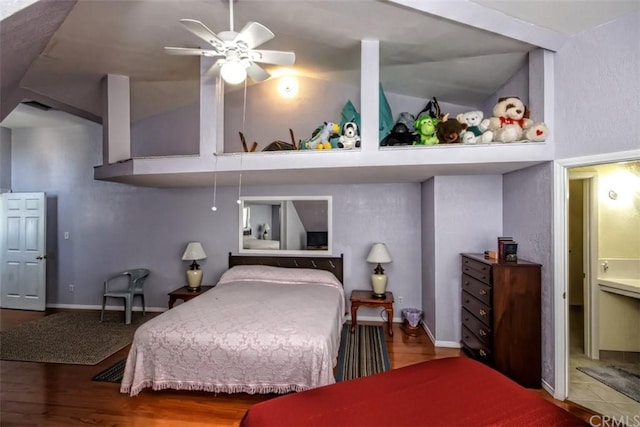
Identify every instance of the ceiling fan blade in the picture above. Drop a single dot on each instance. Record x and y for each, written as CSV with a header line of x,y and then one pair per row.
x,y
214,70
189,51
273,57
199,29
254,34
257,73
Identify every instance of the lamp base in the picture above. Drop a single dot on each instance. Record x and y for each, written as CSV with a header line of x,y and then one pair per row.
x,y
194,279
379,285
378,296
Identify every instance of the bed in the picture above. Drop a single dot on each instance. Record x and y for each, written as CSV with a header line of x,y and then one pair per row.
x,y
270,325
454,391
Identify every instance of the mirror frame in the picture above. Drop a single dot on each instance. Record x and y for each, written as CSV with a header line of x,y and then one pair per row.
x,y
328,251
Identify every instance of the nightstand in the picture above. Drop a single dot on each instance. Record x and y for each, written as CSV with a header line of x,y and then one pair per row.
x,y
366,298
185,294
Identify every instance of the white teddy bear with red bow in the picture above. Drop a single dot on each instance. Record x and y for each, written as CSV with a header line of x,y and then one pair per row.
x,y
511,122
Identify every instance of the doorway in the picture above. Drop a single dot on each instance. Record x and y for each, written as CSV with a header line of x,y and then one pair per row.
x,y
597,228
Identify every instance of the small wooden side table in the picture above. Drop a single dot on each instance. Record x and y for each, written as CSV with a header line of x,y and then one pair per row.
x,y
185,294
366,298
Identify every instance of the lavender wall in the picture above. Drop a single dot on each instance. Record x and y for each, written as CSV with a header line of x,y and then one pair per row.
x,y
518,85
173,133
429,302
468,218
5,159
115,226
528,207
597,89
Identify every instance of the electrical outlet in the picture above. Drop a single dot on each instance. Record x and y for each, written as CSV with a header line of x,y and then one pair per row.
x,y
400,299
71,288
66,235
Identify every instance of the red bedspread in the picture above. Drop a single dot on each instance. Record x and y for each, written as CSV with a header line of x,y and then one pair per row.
x,y
445,392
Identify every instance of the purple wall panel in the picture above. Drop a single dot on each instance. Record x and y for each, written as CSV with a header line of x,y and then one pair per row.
x,y
114,226
528,207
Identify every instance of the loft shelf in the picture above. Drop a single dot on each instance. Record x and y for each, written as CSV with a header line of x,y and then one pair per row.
x,y
369,164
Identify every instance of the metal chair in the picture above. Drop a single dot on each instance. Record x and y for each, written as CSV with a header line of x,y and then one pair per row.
x,y
136,278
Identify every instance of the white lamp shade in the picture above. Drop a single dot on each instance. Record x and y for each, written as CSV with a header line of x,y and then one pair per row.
x,y
379,254
233,72
194,251
266,227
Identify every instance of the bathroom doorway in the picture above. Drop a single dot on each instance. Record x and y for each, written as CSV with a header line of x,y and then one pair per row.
x,y
600,229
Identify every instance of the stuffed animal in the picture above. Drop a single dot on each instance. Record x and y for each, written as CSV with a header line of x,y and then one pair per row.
x,y
510,118
477,130
511,122
448,131
400,135
537,132
349,138
425,124
320,137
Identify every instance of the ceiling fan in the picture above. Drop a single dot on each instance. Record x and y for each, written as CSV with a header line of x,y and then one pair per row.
x,y
236,53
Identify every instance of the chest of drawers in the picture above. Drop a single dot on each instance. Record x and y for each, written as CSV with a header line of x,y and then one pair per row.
x,y
501,323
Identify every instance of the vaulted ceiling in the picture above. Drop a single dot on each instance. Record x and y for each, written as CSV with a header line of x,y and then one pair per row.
x,y
57,51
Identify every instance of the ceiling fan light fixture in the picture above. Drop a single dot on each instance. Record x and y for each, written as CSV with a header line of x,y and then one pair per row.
x,y
233,72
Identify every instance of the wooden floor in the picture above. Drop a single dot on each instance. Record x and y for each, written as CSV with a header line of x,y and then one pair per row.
x,y
40,394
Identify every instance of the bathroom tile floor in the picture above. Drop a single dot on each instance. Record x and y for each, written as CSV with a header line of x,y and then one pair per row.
x,y
591,393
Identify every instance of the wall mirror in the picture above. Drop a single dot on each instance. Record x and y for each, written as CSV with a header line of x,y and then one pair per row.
x,y
285,225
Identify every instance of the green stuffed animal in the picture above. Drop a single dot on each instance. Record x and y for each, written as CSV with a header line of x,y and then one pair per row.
x,y
426,127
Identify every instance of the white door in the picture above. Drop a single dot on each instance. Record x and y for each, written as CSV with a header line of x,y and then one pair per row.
x,y
23,272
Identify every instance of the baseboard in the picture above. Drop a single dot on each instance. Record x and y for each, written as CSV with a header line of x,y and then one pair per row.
x,y
428,331
548,389
438,343
107,308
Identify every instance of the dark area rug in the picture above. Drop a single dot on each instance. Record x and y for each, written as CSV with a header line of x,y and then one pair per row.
x,y
624,379
77,338
361,353
112,374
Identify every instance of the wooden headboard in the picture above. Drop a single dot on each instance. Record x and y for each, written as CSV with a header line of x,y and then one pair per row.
x,y
332,264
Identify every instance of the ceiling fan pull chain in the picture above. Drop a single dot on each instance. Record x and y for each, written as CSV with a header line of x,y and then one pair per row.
x,y
215,181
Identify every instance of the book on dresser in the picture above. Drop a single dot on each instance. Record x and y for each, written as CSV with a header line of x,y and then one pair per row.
x,y
501,316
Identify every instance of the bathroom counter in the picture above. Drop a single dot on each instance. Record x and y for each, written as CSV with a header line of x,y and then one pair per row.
x,y
626,287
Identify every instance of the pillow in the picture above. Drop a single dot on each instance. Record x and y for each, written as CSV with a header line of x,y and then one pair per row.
x,y
265,273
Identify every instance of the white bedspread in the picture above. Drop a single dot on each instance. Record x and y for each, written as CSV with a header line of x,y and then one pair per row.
x,y
244,336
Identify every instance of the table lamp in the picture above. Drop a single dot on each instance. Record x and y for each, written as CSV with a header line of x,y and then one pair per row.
x,y
380,255
193,253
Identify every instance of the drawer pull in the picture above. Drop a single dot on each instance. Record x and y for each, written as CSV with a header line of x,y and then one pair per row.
x,y
483,333
466,301
466,319
483,292
482,312
466,283
483,353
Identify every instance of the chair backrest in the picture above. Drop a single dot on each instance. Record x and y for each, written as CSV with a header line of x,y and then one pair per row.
x,y
138,275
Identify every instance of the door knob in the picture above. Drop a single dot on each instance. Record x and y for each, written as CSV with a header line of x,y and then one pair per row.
x,y
41,257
